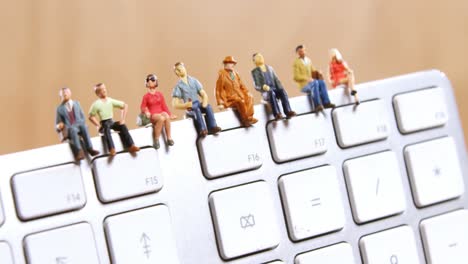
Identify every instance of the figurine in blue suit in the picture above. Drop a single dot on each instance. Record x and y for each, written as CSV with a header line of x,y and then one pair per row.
x,y
70,121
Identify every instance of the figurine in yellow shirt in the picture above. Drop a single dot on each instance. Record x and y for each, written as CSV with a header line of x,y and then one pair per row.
x,y
310,81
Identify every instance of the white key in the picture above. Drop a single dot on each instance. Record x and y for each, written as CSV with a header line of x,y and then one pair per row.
x,y
375,186
5,253
434,171
230,152
70,244
2,216
420,110
142,236
445,238
341,253
312,202
394,246
127,176
361,124
244,219
48,191
298,137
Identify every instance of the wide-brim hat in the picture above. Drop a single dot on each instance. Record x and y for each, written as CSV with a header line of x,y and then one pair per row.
x,y
229,59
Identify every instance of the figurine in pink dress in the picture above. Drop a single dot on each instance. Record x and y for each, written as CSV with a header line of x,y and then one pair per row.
x,y
341,74
154,107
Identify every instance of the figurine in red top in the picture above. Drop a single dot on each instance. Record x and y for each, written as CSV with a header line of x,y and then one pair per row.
x,y
340,73
154,107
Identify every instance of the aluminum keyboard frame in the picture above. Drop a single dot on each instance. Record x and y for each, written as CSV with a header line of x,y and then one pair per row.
x,y
186,190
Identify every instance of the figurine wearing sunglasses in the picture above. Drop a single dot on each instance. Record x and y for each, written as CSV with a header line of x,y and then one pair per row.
x,y
154,107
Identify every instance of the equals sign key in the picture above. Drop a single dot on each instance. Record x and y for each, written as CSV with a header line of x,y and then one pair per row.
x,y
315,202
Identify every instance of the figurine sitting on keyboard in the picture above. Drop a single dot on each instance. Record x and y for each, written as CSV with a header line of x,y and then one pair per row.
x,y
104,108
314,87
185,95
231,92
70,121
341,74
269,85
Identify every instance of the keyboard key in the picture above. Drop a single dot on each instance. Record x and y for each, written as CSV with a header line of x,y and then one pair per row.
x,y
240,145
48,191
445,238
127,176
361,124
341,253
420,110
5,253
2,216
245,219
298,137
312,202
393,246
434,171
141,236
70,244
375,186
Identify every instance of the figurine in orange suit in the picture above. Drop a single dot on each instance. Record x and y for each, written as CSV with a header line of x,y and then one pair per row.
x,y
231,92
340,73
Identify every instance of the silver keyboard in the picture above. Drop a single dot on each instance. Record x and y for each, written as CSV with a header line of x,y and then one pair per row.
x,y
382,182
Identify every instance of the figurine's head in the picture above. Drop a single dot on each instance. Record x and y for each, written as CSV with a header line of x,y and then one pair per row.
x,y
335,55
229,63
179,69
151,81
65,94
300,51
100,90
258,59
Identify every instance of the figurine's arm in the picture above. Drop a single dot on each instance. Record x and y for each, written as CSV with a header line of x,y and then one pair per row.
x,y
80,111
59,125
144,107
204,98
179,103
123,113
94,120
164,106
219,92
278,83
257,83
330,74
241,83
347,67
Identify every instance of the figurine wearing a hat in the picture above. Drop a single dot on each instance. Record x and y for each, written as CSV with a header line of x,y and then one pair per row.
x,y
231,92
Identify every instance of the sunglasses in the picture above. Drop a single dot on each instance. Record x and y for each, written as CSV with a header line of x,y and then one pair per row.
x,y
151,79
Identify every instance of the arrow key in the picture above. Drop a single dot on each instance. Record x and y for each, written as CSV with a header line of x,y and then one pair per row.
x,y
65,245
141,236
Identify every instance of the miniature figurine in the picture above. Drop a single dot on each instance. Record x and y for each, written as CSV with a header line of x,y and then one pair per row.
x,y
154,106
104,109
186,94
304,74
231,92
70,121
340,73
266,81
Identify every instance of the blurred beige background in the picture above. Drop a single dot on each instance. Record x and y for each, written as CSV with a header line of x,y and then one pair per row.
x,y
47,44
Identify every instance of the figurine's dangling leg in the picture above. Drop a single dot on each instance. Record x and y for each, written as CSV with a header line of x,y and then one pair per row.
x,y
158,121
167,128
351,87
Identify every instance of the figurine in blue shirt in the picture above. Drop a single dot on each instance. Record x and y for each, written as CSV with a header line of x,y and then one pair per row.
x,y
188,94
